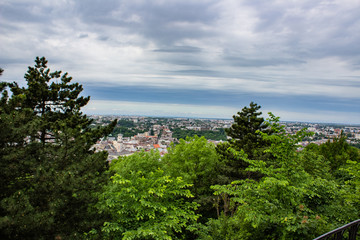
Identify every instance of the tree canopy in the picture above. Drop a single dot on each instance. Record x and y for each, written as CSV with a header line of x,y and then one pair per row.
x,y
49,170
290,201
144,202
196,162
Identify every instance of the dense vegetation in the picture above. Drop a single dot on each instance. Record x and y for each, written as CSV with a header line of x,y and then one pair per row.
x,y
217,135
257,185
126,128
126,132
357,145
49,172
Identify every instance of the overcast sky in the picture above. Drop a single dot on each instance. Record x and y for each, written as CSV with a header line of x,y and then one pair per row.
x,y
203,58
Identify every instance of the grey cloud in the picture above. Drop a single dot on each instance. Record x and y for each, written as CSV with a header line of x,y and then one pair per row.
x,y
280,16
9,60
197,72
24,12
103,38
183,61
96,9
311,29
261,62
179,49
187,58
181,55
84,35
156,19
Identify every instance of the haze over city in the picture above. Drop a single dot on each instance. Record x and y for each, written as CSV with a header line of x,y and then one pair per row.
x,y
297,59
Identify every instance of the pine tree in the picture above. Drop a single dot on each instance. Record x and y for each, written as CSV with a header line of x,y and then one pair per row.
x,y
50,173
244,136
244,133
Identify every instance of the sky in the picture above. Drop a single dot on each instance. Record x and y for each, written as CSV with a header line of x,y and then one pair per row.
x,y
206,58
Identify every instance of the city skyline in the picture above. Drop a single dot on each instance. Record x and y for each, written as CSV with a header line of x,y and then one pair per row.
x,y
207,59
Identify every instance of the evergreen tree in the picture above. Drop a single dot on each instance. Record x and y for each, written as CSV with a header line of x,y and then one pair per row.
x,y
244,135
49,171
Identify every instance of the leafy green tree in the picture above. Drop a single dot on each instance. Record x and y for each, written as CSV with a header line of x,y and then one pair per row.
x,y
337,151
49,170
314,163
288,202
195,161
144,202
352,194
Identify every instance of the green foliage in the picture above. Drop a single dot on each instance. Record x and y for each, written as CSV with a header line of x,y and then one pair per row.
x,y
337,151
144,202
195,161
126,123
352,193
244,135
126,128
289,201
49,172
357,145
142,161
335,154
126,132
244,132
208,134
314,164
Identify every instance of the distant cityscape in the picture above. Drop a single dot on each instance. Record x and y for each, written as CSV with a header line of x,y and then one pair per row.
x,y
137,133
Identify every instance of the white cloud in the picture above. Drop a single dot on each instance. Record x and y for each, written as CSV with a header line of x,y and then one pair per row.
x,y
286,48
157,109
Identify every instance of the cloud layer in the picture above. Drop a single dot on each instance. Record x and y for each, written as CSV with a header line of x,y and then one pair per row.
x,y
299,57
